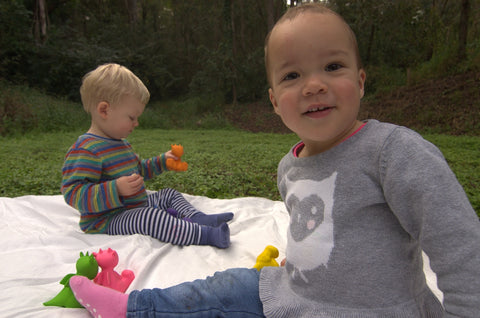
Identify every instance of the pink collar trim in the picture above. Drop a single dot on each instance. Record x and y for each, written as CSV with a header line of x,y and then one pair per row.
x,y
300,145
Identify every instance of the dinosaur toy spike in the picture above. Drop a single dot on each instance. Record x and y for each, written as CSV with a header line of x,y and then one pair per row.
x,y
86,266
107,260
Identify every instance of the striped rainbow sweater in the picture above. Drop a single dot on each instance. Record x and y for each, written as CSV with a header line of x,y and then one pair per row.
x,y
91,166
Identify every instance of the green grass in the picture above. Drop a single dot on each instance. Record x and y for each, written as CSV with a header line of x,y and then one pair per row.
x,y
463,156
222,163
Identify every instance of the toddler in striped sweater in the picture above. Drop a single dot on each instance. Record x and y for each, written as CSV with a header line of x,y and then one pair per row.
x,y
104,179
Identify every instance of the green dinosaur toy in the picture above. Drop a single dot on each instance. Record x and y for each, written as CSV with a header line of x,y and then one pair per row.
x,y
86,266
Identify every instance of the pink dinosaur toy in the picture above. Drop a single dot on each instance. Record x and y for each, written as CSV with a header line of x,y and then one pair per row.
x,y
107,260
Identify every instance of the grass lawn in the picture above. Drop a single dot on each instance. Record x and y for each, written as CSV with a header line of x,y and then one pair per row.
x,y
222,163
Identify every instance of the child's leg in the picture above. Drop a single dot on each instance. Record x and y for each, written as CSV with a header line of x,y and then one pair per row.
x,y
171,198
232,293
166,228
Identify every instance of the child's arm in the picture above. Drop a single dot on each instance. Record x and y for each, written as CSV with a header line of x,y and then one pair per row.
x,y
433,208
150,168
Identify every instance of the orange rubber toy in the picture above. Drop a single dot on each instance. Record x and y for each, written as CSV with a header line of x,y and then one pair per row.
x,y
177,165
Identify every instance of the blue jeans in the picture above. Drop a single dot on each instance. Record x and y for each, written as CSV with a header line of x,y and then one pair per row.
x,y
231,293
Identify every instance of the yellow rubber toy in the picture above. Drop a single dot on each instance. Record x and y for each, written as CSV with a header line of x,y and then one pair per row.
x,y
267,257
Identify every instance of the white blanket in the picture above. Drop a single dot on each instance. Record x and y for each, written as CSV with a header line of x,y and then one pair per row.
x,y
41,242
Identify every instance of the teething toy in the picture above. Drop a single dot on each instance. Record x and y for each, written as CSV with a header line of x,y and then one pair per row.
x,y
267,257
177,165
107,260
86,266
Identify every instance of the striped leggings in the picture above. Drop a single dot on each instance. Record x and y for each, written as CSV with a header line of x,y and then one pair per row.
x,y
154,220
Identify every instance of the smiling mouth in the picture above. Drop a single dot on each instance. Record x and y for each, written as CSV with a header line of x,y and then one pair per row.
x,y
318,109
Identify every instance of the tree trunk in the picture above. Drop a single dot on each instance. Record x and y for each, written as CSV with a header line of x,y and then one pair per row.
x,y
270,8
371,37
234,53
40,25
131,6
463,31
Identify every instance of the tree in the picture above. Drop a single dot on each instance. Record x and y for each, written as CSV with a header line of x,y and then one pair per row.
x,y
215,48
40,22
270,8
463,30
131,6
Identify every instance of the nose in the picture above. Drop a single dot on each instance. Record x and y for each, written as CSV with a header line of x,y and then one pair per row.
x,y
315,84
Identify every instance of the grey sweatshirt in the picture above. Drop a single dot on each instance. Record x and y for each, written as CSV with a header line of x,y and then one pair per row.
x,y
360,215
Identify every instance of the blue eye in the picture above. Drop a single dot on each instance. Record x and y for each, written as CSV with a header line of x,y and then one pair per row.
x,y
333,67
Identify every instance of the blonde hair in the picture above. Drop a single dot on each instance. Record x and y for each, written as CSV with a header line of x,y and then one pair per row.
x,y
293,12
110,83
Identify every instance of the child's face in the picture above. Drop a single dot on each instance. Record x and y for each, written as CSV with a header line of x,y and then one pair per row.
x,y
316,84
122,118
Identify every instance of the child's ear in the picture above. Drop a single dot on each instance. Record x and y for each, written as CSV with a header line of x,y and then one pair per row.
x,y
102,109
273,101
362,76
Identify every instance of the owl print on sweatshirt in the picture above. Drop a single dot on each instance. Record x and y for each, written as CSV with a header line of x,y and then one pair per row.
x,y
310,233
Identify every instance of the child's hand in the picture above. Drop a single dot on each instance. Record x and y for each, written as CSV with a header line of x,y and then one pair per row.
x,y
169,155
129,185
174,162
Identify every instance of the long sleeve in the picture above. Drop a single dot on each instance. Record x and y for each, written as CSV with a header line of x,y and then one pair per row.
x,y
82,184
90,169
433,208
152,167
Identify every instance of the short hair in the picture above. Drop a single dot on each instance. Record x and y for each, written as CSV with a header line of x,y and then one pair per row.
x,y
314,7
110,83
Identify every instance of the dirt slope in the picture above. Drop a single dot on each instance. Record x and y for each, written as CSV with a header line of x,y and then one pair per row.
x,y
449,105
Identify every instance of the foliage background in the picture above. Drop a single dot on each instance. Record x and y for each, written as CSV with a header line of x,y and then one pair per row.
x,y
203,63
215,48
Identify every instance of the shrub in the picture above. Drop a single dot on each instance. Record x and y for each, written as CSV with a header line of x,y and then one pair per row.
x,y
15,116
